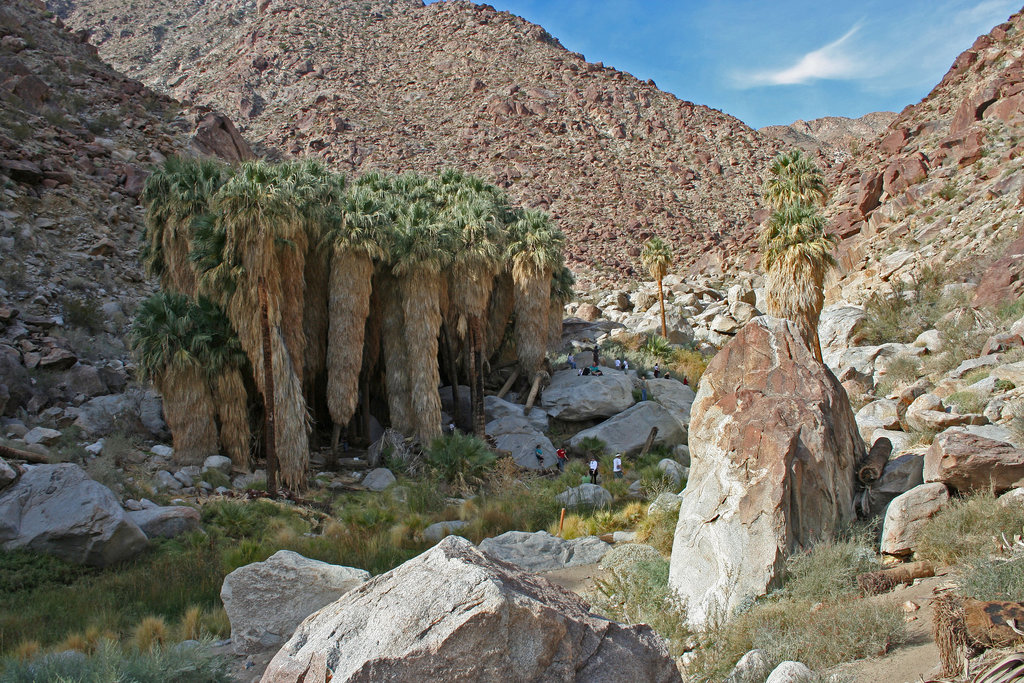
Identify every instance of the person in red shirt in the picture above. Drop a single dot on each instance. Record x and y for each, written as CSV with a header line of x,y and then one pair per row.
x,y
561,459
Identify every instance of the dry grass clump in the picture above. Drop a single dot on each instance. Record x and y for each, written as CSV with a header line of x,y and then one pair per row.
x,y
150,632
658,530
969,529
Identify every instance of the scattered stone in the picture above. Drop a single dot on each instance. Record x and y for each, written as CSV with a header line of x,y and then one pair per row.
x,y
378,479
438,530
42,435
166,480
927,413
673,469
218,462
165,522
967,462
162,451
265,601
753,667
907,514
899,476
792,672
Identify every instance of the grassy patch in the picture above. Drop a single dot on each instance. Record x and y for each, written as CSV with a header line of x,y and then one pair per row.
x,y
995,578
969,529
908,308
829,571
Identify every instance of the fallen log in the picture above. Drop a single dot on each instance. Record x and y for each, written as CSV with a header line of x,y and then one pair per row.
x,y
508,383
870,468
649,442
534,390
9,453
964,627
884,580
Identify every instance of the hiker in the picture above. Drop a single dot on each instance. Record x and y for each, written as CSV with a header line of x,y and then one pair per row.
x,y
451,427
625,365
572,361
618,364
643,390
595,370
686,382
617,466
584,371
593,470
562,457
539,453
668,375
657,371
597,355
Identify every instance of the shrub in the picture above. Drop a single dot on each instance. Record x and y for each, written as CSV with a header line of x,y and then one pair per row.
x,y
829,571
591,446
966,402
688,363
968,529
658,530
908,308
459,458
149,633
82,314
996,578
216,478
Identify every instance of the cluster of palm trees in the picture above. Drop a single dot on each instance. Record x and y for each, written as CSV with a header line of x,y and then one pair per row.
x,y
796,251
370,288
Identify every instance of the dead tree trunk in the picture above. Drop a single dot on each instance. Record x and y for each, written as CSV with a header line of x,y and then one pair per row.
x,y
15,454
884,580
869,470
534,390
268,392
508,383
650,441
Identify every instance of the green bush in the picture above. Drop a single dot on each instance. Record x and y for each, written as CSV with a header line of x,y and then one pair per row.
x,y
968,529
829,571
459,458
908,308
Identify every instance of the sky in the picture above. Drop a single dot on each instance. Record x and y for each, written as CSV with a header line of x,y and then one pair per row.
x,y
774,61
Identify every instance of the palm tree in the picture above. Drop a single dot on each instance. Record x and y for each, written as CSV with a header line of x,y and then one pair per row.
x,y
175,195
421,248
657,257
171,344
534,248
473,209
561,293
794,179
262,226
354,242
796,254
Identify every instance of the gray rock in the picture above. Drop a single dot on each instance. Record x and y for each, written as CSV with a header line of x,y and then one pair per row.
x,y
166,480
162,450
185,478
753,667
140,410
927,413
682,454
673,469
585,495
792,672
266,601
900,441
59,510
571,397
973,364
665,503
218,462
1012,497
83,380
907,514
676,324
627,432
866,364
42,435
454,614
880,414
165,522
674,396
899,476
931,340
497,408
839,327
519,437
7,474
438,530
378,479
541,552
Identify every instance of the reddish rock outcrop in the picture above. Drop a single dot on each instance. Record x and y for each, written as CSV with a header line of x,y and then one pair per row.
x,y
216,136
968,462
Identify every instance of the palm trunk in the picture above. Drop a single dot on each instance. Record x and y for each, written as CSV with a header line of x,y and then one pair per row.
x,y
291,271
661,300
315,322
500,307
556,311
350,288
190,413
476,377
269,396
533,295
396,376
420,289
452,370
178,275
233,410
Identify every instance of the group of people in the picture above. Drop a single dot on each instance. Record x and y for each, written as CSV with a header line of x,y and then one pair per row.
x,y
595,367
562,458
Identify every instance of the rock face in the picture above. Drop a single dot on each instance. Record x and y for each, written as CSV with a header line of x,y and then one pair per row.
x,y
773,444
453,614
265,601
571,397
627,431
675,396
968,462
59,510
542,552
167,521
585,495
906,515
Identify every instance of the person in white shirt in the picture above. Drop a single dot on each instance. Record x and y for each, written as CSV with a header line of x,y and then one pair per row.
x,y
593,470
617,466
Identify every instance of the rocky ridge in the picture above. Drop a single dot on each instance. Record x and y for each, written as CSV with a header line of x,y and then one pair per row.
x,y
836,138
396,86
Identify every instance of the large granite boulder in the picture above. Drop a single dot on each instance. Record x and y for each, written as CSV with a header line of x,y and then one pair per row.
x,y
541,552
927,413
676,325
676,397
881,414
265,601
139,410
572,397
166,521
497,408
627,431
585,495
773,443
840,326
59,510
518,436
965,461
454,614
907,514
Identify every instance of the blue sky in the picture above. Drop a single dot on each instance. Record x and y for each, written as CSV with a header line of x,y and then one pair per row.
x,y
774,61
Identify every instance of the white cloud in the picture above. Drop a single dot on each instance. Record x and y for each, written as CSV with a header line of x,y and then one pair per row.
x,y
832,61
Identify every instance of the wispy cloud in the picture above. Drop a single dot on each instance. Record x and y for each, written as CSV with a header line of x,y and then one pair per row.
x,y
833,61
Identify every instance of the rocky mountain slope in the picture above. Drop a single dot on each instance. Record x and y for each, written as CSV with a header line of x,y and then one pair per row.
x,y
942,185
834,137
395,85
76,140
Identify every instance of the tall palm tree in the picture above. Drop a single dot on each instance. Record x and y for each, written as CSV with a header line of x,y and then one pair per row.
x,y
657,257
354,242
261,223
796,254
561,293
175,195
474,210
793,179
421,248
535,249
171,345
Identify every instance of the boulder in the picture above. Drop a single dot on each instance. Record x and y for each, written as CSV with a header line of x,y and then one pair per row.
x,y
839,326
899,476
676,324
59,510
454,614
907,514
675,396
438,530
628,431
216,136
585,495
773,442
866,364
541,552
519,437
965,461
378,479
881,414
496,408
665,503
927,413
8,474
166,521
1011,372
572,397
138,410
218,462
753,667
265,601
674,470
42,435
900,441
792,672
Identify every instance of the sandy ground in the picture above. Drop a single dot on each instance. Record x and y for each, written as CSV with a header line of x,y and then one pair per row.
x,y
579,579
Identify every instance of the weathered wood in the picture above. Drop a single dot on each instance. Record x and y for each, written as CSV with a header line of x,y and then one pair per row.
x,y
869,470
994,624
964,627
534,390
884,580
650,442
14,454
508,383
